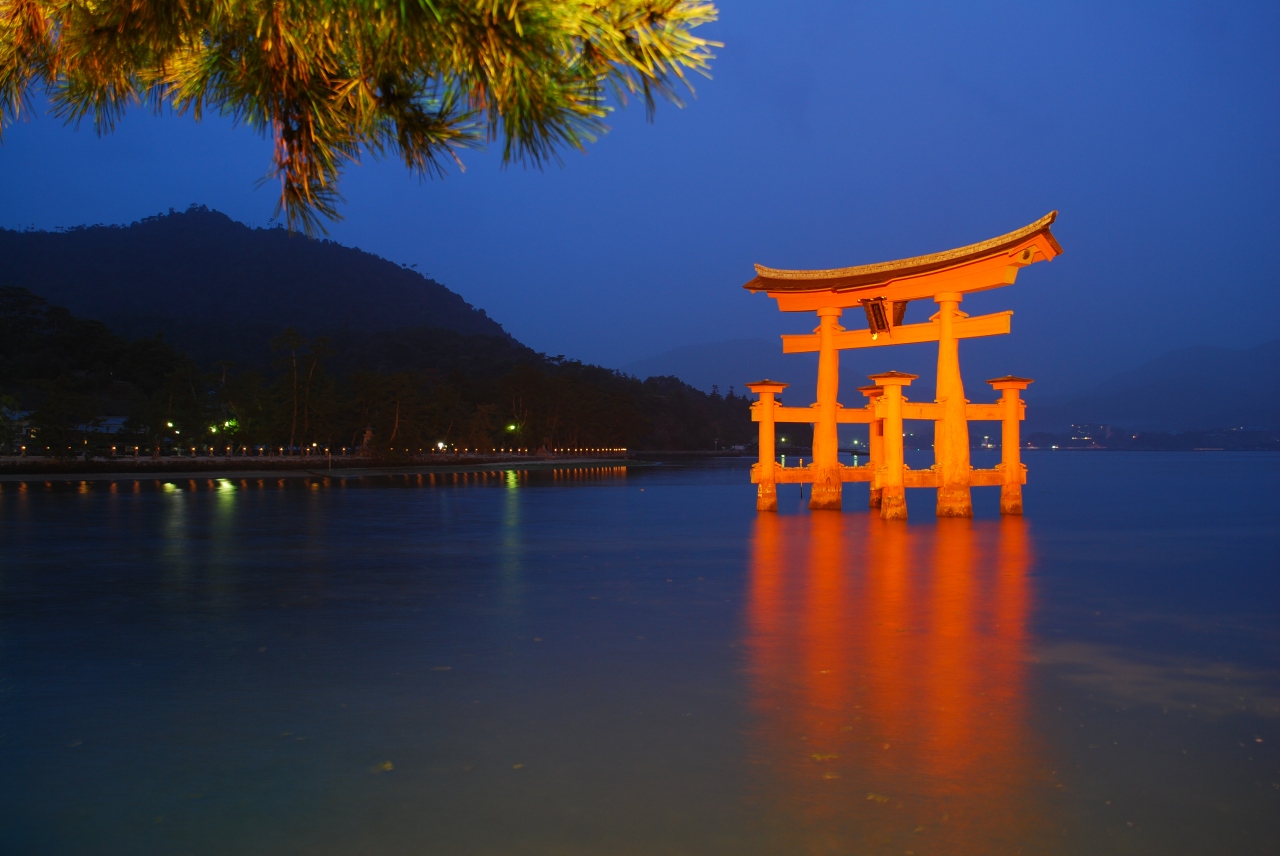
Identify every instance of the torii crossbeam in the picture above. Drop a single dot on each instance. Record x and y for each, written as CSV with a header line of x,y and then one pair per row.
x,y
883,291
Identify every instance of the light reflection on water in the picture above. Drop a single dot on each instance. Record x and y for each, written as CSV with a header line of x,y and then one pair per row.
x,y
889,680
635,662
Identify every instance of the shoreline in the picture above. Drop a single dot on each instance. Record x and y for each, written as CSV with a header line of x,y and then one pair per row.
x,y
100,470
298,471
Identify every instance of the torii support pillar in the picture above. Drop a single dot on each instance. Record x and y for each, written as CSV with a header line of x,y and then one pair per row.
x,y
875,441
1010,442
951,432
891,474
827,485
765,408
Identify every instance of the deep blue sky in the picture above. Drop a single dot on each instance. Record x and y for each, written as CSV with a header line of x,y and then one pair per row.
x,y
831,134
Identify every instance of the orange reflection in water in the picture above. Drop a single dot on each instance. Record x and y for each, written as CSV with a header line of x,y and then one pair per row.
x,y
888,678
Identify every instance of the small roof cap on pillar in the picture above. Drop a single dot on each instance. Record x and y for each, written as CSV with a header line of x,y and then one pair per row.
x,y
766,385
870,391
1010,382
893,378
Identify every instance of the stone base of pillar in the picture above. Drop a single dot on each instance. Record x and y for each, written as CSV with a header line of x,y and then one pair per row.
x,y
875,497
893,503
826,490
767,497
1011,499
954,501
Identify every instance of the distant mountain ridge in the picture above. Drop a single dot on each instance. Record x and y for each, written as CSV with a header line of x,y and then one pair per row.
x,y
199,275
732,363
1196,388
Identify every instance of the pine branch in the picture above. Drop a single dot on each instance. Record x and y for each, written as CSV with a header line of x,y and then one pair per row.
x,y
328,80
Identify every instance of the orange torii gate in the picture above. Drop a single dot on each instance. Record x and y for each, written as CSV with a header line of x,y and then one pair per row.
x,y
883,291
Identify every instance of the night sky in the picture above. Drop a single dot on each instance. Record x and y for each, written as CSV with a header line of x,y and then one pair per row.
x,y
831,134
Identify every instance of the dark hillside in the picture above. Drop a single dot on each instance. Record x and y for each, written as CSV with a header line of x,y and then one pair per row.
x,y
201,278
279,341
62,376
70,386
41,344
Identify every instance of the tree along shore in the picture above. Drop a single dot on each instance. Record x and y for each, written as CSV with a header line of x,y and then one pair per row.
x,y
72,388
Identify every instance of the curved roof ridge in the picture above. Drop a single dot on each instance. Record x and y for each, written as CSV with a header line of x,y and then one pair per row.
x,y
927,262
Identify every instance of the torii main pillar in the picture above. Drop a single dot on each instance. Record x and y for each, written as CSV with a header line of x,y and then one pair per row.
x,y
826,441
951,432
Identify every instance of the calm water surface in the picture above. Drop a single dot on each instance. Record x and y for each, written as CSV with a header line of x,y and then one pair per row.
x,y
631,661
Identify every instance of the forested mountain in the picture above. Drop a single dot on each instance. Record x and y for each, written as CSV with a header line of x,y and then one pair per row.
x,y
210,283
195,330
68,373
400,391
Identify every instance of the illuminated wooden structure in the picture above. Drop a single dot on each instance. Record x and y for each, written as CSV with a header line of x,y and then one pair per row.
x,y
882,291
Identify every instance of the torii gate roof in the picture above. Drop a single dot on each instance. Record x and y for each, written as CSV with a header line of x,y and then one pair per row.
x,y
987,264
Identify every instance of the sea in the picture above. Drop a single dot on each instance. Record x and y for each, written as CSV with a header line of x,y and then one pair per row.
x,y
627,658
